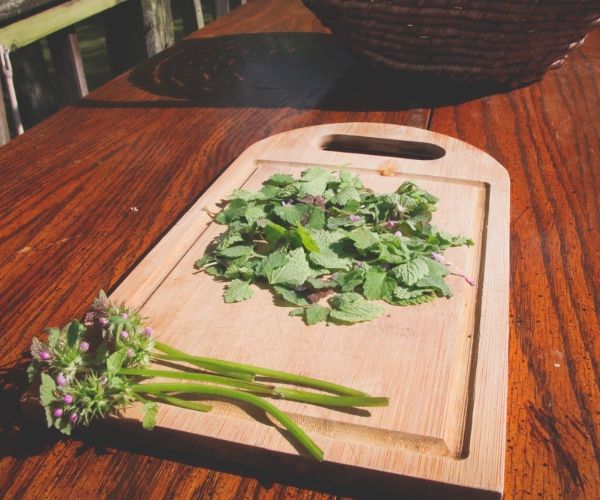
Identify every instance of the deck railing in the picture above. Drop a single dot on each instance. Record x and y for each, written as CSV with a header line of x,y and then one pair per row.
x,y
134,31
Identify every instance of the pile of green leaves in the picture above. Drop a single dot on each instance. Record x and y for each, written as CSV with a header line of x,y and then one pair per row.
x,y
326,239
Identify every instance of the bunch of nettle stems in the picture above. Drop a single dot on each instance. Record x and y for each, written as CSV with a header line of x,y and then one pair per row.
x,y
95,368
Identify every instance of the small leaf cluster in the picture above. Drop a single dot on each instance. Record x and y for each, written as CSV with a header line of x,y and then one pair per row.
x,y
77,366
326,238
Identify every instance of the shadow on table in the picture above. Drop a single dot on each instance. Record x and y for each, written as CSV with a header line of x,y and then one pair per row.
x,y
18,437
272,70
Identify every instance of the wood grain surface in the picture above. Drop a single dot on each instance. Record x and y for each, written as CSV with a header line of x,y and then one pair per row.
x,y
88,192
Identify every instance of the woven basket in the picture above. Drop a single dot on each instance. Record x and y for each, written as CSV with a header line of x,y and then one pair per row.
x,y
510,42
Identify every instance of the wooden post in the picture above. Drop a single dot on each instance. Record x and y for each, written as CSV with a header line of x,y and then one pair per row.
x,y
32,84
221,7
191,13
136,30
64,48
158,25
4,130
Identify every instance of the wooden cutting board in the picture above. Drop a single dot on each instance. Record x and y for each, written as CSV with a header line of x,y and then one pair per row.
x,y
443,365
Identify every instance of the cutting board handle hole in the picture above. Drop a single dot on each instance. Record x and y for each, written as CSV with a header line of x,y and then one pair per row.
x,y
395,148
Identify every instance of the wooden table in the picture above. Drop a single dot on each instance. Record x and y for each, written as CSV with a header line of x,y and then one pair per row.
x,y
88,192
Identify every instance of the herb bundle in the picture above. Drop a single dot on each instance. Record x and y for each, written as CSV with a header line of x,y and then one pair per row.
x,y
99,367
325,235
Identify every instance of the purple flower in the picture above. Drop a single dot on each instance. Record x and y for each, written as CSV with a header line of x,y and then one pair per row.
x,y
124,315
390,224
148,331
84,346
124,334
45,356
398,234
354,218
438,257
130,352
73,418
58,412
68,399
103,321
61,380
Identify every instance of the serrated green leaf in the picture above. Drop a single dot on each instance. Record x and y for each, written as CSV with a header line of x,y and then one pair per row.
x,y
306,239
238,291
350,280
293,273
237,251
292,214
316,313
234,211
206,259
217,271
49,417
53,336
299,311
290,296
319,284
403,297
273,232
378,284
436,283
436,269
47,390
412,271
313,182
272,262
314,218
73,333
149,412
332,254
363,238
254,213
280,180
268,191
353,308
115,362
63,426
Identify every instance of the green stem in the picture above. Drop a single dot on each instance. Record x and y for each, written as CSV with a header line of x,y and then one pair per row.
x,y
221,365
199,377
323,399
209,390
182,403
